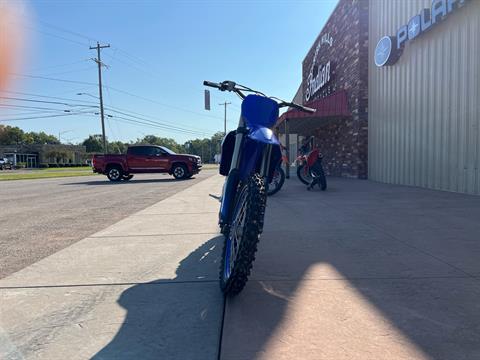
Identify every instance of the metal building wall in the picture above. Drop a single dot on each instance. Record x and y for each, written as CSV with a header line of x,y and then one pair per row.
x,y
424,111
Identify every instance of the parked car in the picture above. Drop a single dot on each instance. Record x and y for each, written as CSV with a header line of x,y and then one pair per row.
x,y
5,164
146,159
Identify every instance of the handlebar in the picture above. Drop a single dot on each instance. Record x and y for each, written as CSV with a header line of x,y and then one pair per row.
x,y
299,107
237,88
211,84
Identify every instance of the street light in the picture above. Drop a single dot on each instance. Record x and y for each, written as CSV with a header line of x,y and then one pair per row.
x,y
60,134
81,93
101,115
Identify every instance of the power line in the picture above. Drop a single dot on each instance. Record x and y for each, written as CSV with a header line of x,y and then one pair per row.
x,y
22,107
162,127
131,57
54,35
58,28
44,117
147,117
110,108
120,91
159,123
162,104
61,65
59,37
32,112
70,71
45,96
45,102
53,79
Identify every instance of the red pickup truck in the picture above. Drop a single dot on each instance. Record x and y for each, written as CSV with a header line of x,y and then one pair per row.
x,y
146,159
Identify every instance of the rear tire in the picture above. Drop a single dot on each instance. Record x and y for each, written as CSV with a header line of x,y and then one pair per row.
x,y
180,171
114,173
303,174
242,239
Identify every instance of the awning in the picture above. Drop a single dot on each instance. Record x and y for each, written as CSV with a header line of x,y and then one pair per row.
x,y
330,107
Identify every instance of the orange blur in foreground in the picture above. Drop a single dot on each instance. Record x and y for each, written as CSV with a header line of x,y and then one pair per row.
x,y
11,40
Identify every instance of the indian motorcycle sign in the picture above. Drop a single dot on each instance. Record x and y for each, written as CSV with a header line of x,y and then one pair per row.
x,y
319,74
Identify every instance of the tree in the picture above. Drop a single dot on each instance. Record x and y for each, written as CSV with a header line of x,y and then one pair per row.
x,y
205,148
94,143
43,138
160,141
10,135
117,147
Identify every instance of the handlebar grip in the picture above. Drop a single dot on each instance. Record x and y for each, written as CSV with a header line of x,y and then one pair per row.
x,y
304,108
309,110
211,84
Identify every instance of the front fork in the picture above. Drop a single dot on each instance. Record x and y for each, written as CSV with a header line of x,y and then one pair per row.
x,y
266,159
231,183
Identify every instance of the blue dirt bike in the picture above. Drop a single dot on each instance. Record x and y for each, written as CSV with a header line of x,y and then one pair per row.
x,y
250,155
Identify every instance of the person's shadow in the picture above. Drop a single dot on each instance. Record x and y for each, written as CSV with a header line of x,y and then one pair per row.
x,y
176,318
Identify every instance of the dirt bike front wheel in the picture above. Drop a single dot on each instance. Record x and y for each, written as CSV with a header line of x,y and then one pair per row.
x,y
241,242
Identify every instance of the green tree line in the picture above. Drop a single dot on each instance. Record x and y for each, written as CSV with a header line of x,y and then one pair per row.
x,y
206,148
12,135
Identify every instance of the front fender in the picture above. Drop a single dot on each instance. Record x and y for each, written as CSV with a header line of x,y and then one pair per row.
x,y
264,135
257,140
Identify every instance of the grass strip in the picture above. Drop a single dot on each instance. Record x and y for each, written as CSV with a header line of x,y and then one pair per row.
x,y
44,175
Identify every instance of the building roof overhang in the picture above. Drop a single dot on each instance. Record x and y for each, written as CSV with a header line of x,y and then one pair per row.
x,y
330,107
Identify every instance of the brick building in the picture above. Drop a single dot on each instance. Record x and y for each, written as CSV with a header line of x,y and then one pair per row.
x,y
335,83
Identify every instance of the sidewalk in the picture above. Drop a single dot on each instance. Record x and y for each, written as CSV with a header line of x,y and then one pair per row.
x,y
362,271
144,288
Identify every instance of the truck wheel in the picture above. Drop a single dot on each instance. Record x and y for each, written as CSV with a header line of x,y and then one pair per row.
x,y
180,171
114,173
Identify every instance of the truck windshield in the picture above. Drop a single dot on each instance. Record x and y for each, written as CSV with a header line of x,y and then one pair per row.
x,y
167,150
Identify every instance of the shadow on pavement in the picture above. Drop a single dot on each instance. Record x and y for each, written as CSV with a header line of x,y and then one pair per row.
x,y
133,181
176,318
373,270
362,272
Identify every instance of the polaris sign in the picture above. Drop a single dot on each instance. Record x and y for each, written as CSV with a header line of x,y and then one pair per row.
x,y
389,48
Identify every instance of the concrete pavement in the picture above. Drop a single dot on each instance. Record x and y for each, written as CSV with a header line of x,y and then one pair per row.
x,y
40,217
144,288
362,271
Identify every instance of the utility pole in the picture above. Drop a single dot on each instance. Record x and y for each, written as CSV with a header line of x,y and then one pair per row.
x,y
99,63
225,117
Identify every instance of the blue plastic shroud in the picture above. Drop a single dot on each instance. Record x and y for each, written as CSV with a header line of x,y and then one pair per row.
x,y
259,111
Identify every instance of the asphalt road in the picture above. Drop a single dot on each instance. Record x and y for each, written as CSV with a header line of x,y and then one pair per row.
x,y
40,217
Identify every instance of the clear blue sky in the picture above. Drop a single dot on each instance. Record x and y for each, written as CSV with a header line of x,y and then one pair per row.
x,y
162,51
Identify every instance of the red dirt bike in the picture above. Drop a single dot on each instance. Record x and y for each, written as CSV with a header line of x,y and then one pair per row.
x,y
304,168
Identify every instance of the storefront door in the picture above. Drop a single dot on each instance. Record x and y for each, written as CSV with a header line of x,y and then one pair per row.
x,y
31,162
